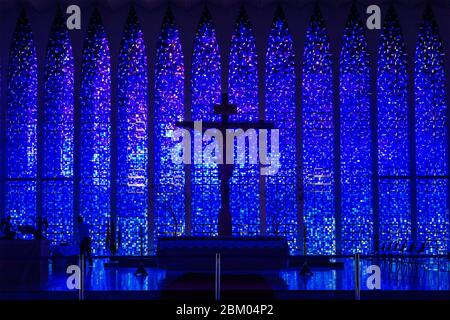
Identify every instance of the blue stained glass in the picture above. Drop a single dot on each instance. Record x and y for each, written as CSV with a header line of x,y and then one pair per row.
x,y
206,92
357,222
95,100
58,134
393,147
169,108
281,188
433,215
132,207
243,91
395,207
21,126
431,137
318,175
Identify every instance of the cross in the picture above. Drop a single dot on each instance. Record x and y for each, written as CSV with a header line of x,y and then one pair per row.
x,y
225,109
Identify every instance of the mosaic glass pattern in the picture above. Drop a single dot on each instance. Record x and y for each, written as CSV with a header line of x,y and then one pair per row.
x,y
281,188
169,108
21,126
356,176
132,207
318,175
431,138
393,146
433,215
95,144
395,196
243,91
282,195
58,132
206,92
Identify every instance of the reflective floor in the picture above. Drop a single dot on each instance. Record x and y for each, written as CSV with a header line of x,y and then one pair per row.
x,y
426,275
100,278
394,276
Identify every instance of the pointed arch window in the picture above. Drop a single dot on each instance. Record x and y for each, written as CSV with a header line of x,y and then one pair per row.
x,y
169,108
318,140
393,143
206,92
431,138
281,188
58,130
95,142
21,126
243,91
132,183
356,174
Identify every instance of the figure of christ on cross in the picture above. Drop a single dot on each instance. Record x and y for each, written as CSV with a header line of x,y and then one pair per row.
x,y
225,109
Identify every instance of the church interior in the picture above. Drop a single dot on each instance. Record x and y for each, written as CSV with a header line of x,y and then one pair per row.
x,y
320,169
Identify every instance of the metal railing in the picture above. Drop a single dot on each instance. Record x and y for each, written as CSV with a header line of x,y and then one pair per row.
x,y
398,271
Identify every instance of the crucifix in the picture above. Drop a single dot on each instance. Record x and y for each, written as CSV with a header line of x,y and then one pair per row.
x,y
225,109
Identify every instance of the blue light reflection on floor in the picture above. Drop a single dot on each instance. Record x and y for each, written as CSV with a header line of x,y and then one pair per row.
x,y
100,278
399,278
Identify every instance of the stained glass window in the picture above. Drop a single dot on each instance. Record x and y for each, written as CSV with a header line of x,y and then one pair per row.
x,y
169,108
95,100
281,188
282,194
132,140
357,222
206,92
58,132
318,175
243,91
431,138
21,126
393,147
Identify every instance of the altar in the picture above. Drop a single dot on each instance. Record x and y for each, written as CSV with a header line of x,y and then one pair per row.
x,y
244,254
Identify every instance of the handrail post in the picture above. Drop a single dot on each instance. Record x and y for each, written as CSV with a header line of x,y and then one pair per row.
x,y
81,291
217,277
357,277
